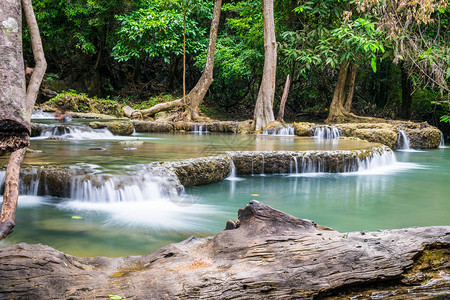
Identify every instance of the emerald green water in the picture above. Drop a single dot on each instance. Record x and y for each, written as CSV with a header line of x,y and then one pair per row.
x,y
413,192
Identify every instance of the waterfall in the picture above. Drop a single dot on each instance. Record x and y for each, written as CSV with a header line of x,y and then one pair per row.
x,y
262,166
326,132
403,140
75,132
28,183
115,189
232,174
280,131
40,114
198,129
442,143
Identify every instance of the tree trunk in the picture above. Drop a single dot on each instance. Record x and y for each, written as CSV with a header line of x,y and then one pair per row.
x,y
14,119
350,85
266,254
284,99
263,113
11,194
343,95
406,93
197,94
184,54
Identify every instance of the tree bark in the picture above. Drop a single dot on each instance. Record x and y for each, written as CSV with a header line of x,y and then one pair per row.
x,y
350,85
11,194
263,113
284,99
266,254
343,95
406,93
197,94
14,118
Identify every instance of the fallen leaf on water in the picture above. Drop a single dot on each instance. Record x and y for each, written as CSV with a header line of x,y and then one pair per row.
x,y
254,195
77,217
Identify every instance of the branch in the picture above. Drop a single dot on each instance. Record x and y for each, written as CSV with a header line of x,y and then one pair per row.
x,y
38,54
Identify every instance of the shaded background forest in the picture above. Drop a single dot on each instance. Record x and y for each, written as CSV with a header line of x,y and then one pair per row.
x,y
131,51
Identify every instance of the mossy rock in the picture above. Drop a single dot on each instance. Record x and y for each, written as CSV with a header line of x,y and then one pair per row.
x,y
84,104
246,127
382,136
116,127
150,126
304,129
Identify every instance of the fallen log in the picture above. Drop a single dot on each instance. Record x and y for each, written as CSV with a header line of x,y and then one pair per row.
x,y
266,254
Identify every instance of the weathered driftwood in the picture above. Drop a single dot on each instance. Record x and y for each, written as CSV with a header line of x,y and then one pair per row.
x,y
265,254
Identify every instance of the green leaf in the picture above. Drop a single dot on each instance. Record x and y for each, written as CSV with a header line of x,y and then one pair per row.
x,y
373,63
114,297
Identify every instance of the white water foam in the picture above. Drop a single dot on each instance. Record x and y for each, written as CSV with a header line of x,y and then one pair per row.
x,y
40,114
403,141
200,129
326,132
157,213
74,132
232,176
282,131
442,143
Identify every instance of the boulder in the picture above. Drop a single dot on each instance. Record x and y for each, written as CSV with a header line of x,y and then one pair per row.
x,y
116,127
304,129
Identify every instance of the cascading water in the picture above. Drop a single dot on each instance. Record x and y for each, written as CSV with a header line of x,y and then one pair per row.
x,y
280,131
442,143
326,132
200,129
39,114
76,132
403,140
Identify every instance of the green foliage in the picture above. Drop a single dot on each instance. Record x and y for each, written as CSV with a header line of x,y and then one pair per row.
x,y
157,31
80,102
328,36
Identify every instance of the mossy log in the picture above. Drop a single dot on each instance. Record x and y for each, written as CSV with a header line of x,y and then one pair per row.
x,y
266,254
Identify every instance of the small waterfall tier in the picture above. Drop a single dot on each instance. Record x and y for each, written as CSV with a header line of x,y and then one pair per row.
x,y
200,129
84,183
403,142
326,132
280,131
70,131
40,114
442,143
270,162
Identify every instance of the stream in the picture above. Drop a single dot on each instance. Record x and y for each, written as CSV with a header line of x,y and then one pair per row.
x,y
411,190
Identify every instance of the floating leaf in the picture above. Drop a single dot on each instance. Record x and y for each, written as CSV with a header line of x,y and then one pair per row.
x,y
77,217
255,195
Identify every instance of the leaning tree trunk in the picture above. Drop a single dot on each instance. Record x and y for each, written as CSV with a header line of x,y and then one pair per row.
x,y
14,119
343,95
280,116
197,94
10,197
263,114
